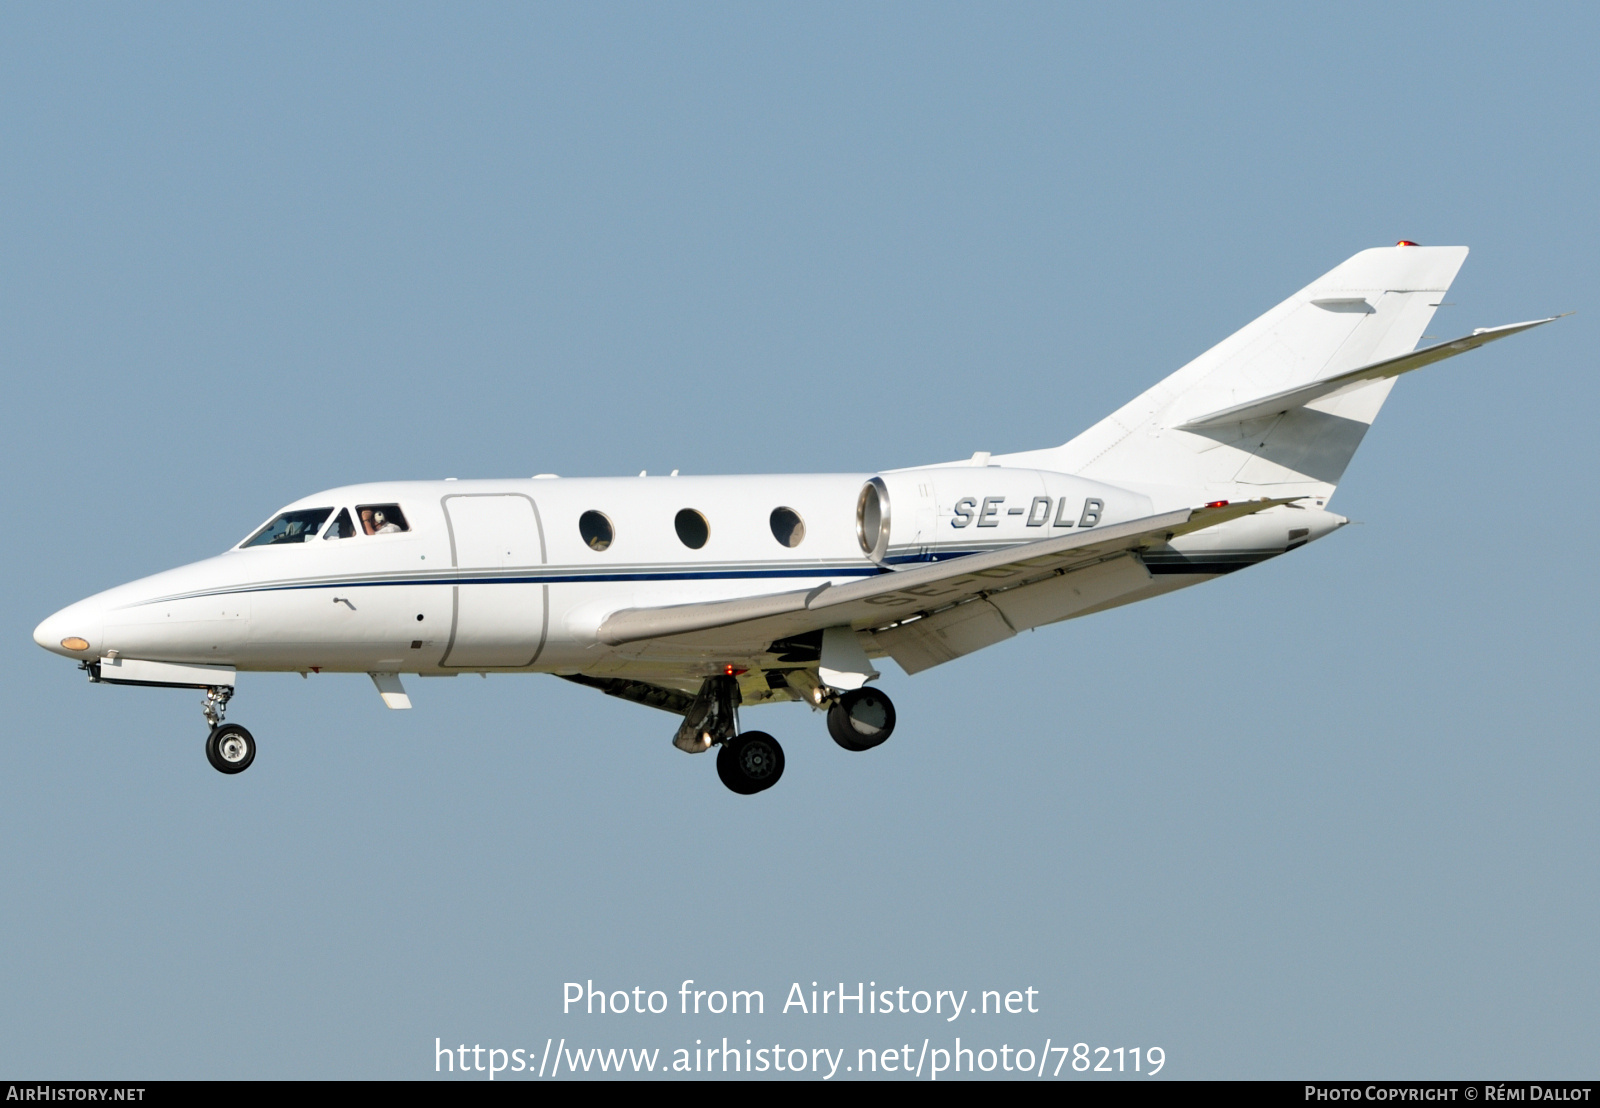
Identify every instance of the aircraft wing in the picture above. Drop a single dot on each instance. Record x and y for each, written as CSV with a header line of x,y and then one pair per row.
x,y
1284,401
894,597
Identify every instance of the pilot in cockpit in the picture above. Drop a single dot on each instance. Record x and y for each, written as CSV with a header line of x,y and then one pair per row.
x,y
382,519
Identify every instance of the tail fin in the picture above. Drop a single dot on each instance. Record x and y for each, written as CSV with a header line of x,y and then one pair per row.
x,y
1372,308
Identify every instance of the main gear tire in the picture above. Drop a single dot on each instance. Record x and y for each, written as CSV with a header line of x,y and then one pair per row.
x,y
861,719
750,763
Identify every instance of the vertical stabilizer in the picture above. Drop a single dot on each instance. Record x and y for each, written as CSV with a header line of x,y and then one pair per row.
x,y
1374,306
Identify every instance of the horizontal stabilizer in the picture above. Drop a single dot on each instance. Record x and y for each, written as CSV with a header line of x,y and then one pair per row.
x,y
1329,387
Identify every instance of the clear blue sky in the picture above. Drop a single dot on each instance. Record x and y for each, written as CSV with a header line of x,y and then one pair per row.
x,y
1334,815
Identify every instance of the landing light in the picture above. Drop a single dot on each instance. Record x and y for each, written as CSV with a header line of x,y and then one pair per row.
x,y
75,643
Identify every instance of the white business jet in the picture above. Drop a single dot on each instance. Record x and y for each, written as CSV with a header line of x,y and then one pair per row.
x,y
699,595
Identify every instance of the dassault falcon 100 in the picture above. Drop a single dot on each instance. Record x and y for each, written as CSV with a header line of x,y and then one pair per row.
x,y
699,595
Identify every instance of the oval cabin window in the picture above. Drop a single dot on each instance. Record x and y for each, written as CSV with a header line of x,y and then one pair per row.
x,y
596,530
787,527
693,529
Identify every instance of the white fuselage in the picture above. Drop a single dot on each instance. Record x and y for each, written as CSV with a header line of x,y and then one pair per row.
x,y
497,575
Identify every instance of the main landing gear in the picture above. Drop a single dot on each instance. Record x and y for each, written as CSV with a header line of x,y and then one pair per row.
x,y
747,763
229,747
750,762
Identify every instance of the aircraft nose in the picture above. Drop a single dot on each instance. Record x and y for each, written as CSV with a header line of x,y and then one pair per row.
x,y
75,631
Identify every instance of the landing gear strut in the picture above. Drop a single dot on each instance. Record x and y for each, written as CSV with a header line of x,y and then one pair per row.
x,y
215,705
229,747
713,718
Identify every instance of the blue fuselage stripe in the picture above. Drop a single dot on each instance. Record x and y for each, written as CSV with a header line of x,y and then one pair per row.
x,y
483,578
1157,563
573,579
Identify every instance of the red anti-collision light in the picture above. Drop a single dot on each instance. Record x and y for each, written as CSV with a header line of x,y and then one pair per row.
x,y
1405,242
1217,504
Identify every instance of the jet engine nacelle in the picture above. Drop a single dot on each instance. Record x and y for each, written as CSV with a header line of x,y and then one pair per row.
x,y
919,515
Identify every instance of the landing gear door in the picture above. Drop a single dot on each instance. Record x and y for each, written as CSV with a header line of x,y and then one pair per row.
x,y
501,610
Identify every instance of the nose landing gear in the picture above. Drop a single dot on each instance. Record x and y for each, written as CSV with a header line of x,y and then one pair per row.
x,y
229,747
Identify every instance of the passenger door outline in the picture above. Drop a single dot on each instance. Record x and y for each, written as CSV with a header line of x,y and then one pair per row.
x,y
445,661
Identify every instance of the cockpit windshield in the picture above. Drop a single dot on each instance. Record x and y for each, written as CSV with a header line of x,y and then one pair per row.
x,y
290,527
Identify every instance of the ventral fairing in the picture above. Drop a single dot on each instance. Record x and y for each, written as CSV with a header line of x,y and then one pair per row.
x,y
703,596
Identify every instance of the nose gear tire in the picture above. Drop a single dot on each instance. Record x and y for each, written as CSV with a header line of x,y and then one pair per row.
x,y
750,762
861,719
230,748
